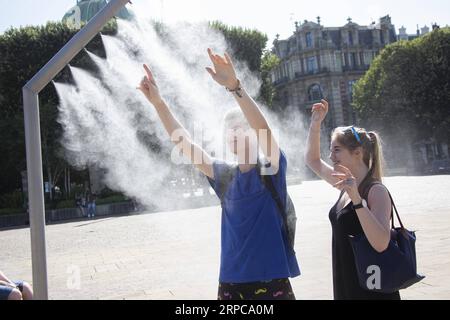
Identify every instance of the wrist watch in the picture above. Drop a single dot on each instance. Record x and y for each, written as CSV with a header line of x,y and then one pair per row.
x,y
363,204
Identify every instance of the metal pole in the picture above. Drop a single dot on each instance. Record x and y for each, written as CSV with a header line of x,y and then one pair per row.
x,y
35,193
33,139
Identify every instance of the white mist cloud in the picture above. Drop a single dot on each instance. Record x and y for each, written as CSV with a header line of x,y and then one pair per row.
x,y
107,122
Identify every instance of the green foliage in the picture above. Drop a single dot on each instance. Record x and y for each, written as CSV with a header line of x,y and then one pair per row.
x,y
65,204
111,199
268,63
107,193
11,211
247,45
407,86
11,200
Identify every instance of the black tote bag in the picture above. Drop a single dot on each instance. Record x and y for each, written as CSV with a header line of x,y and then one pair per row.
x,y
391,270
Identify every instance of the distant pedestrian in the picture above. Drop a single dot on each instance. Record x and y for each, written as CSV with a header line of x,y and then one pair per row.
x,y
91,205
79,204
84,206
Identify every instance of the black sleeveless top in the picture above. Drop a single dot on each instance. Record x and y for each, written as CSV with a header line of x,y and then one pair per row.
x,y
345,278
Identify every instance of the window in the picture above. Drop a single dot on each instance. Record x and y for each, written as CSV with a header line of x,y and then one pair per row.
x,y
315,92
350,38
311,64
309,40
296,66
352,59
368,57
338,61
292,45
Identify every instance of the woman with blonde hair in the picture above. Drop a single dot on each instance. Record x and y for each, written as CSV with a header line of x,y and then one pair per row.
x,y
364,205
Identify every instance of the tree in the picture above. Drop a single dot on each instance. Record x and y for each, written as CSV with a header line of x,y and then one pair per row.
x,y
247,44
408,87
268,63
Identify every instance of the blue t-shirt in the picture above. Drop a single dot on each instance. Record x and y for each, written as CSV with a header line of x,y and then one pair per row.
x,y
253,247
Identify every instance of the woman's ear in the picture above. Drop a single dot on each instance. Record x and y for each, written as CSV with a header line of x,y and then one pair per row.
x,y
358,152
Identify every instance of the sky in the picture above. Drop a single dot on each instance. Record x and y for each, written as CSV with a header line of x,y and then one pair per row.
x,y
270,17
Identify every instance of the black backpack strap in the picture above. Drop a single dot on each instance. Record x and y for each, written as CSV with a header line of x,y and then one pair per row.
x,y
224,180
268,182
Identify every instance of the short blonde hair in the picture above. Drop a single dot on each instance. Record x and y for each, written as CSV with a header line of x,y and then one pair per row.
x,y
234,117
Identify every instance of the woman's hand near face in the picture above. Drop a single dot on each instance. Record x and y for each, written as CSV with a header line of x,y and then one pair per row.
x,y
347,182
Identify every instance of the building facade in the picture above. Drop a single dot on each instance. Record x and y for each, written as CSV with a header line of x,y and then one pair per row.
x,y
325,62
403,35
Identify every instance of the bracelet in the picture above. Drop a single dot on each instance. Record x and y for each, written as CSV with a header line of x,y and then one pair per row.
x,y
237,90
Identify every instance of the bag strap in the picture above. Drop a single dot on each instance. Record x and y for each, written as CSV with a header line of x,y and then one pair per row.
x,y
393,207
224,181
268,182
396,213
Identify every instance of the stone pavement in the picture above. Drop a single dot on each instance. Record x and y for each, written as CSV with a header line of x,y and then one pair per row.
x,y
175,255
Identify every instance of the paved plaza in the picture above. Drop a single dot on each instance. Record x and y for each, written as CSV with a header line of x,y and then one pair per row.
x,y
175,255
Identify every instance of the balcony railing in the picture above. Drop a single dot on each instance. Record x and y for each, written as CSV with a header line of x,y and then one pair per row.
x,y
311,72
355,68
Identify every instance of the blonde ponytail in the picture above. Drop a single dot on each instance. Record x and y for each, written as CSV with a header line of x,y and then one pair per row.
x,y
377,163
